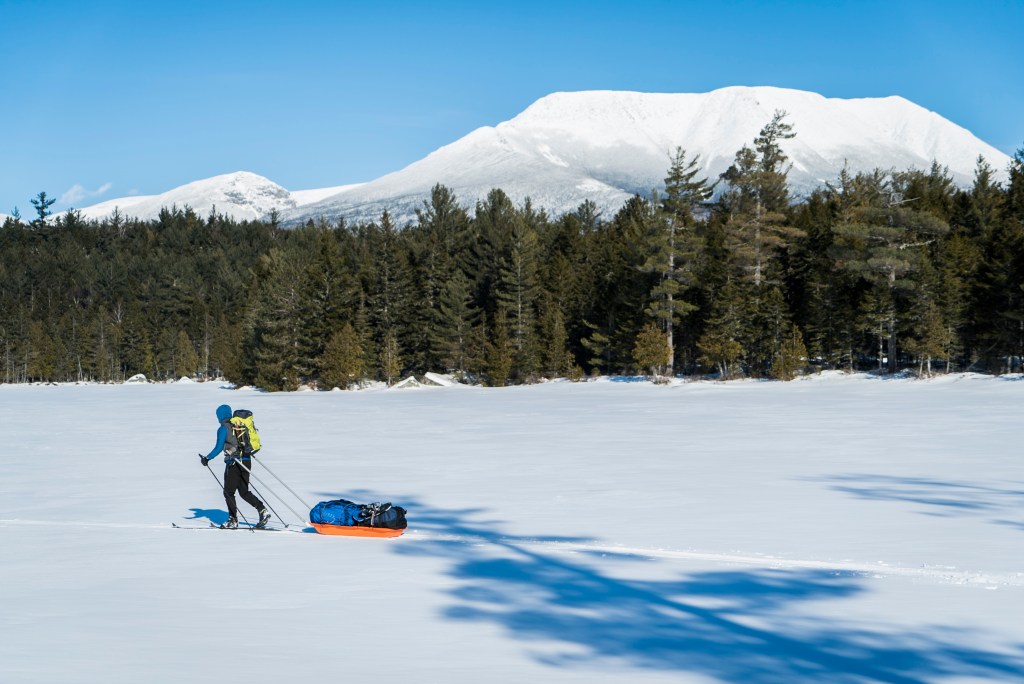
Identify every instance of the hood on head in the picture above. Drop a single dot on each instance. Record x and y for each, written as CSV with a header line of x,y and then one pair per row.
x,y
223,413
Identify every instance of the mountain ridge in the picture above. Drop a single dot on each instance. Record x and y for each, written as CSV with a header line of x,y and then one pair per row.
x,y
605,146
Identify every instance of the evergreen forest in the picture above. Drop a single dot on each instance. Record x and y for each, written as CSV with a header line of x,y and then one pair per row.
x,y
889,271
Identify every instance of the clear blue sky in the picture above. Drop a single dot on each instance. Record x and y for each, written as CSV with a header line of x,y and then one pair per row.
x,y
139,97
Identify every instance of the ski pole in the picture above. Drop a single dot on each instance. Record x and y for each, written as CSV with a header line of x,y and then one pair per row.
x,y
222,489
260,461
266,501
300,517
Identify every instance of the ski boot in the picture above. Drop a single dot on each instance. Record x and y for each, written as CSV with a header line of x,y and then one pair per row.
x,y
230,524
264,519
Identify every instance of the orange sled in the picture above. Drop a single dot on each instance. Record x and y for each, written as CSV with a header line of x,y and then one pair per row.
x,y
352,531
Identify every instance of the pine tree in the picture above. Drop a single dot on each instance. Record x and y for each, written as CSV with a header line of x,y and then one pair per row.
x,y
41,356
390,359
42,205
1014,205
186,360
599,347
719,346
985,201
720,351
390,291
765,322
342,361
500,351
674,247
454,320
652,351
517,292
791,355
101,365
554,351
273,325
756,202
443,218
489,246
885,244
439,241
226,351
932,338
618,289
328,291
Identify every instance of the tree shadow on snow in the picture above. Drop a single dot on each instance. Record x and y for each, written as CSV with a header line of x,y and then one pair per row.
x,y
944,499
588,608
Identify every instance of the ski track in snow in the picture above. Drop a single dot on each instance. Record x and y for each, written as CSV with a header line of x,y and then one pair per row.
x,y
879,570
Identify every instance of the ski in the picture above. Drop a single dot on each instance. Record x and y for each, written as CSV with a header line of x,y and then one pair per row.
x,y
211,526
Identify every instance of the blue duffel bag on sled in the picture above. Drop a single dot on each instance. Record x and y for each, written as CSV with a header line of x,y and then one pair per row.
x,y
344,517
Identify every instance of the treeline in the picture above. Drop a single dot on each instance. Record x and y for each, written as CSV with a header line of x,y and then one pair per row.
x,y
886,270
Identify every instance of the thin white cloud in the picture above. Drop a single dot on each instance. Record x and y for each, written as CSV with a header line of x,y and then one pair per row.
x,y
76,193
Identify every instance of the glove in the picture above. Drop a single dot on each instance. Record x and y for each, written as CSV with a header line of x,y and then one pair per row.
x,y
204,460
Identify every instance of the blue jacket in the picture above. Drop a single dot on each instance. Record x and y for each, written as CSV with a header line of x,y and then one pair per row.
x,y
223,416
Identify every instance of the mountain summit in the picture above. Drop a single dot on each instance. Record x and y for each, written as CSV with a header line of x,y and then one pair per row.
x,y
241,195
605,146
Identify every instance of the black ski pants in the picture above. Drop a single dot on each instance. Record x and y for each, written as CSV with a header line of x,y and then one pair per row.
x,y
236,479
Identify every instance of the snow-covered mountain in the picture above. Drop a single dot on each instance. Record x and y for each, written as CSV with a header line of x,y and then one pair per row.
x,y
241,195
606,146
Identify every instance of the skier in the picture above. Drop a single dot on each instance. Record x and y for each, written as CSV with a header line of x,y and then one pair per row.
x,y
236,472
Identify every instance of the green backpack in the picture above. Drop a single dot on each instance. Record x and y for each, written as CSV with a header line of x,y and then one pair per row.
x,y
244,431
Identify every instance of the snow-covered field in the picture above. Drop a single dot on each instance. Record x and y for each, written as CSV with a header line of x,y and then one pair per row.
x,y
834,529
